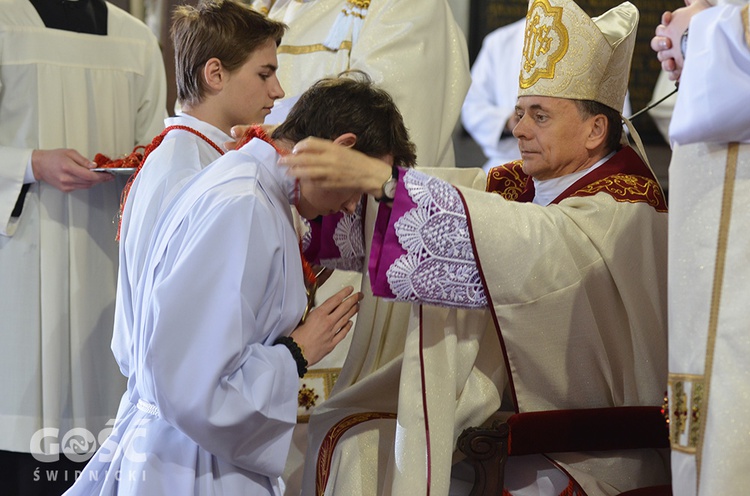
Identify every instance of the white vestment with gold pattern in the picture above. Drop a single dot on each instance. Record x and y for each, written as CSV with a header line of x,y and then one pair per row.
x,y
709,279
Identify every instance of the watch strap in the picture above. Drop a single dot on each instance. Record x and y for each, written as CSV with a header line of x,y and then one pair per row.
x,y
393,179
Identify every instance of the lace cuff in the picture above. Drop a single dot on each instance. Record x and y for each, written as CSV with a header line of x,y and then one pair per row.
x,y
438,266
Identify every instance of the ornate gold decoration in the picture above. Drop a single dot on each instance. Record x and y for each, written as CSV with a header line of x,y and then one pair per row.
x,y
508,180
318,47
362,4
306,397
685,413
628,188
314,389
545,43
325,453
725,218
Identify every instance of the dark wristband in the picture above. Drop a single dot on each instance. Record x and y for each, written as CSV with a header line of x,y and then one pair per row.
x,y
296,352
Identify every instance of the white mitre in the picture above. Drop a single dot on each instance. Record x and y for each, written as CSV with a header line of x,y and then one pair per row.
x,y
568,54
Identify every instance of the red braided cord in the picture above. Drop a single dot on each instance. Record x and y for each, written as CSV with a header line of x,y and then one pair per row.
x,y
136,159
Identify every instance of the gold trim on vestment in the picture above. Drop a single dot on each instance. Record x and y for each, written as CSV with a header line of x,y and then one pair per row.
x,y
685,412
318,47
745,14
627,188
508,180
713,320
334,434
362,4
314,389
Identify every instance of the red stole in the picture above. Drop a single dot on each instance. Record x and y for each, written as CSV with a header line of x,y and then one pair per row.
x,y
624,177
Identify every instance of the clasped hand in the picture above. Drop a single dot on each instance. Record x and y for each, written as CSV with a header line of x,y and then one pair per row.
x,y
668,39
327,325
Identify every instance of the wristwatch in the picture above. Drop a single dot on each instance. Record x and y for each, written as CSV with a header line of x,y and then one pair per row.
x,y
388,189
683,43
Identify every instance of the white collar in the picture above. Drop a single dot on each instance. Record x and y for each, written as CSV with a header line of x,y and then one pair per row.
x,y
545,191
216,135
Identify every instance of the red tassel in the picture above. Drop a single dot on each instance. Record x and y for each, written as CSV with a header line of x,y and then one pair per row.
x,y
137,159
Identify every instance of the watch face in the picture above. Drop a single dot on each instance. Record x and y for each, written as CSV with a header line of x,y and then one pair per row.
x,y
389,188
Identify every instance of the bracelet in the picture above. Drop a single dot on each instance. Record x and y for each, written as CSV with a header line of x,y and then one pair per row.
x,y
296,352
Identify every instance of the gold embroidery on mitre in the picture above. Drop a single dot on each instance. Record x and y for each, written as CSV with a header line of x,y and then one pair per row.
x,y
686,392
509,180
627,188
545,43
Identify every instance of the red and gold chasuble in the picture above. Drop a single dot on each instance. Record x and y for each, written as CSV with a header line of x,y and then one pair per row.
x,y
624,177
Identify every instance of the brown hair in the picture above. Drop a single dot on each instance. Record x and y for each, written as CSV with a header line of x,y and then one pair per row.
x,y
351,103
223,29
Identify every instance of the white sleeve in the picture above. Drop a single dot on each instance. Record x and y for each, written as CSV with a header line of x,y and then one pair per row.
x,y
715,81
484,114
215,378
492,97
12,177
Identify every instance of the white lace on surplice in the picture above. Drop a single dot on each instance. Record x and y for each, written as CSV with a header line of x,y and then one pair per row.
x,y
438,267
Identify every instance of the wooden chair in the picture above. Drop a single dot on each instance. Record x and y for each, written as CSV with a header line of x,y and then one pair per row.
x,y
487,448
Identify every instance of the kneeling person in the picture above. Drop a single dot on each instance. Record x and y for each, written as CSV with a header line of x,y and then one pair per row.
x,y
216,348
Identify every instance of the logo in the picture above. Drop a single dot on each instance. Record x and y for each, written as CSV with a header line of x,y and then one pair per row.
x,y
79,444
545,43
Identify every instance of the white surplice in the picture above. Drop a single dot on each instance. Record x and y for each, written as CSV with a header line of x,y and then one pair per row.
x,y
58,260
709,269
492,97
179,157
211,404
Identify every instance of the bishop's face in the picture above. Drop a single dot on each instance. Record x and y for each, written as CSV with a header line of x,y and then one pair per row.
x,y
552,136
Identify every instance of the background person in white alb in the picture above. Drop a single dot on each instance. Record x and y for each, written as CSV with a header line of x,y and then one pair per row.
x,y
76,79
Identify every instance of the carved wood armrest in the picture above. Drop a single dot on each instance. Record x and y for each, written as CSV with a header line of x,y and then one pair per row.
x,y
486,448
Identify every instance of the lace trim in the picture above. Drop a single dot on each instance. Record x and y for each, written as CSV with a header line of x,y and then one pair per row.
x,y
349,239
304,231
439,266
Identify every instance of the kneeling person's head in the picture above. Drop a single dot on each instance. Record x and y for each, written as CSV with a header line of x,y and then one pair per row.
x,y
351,111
